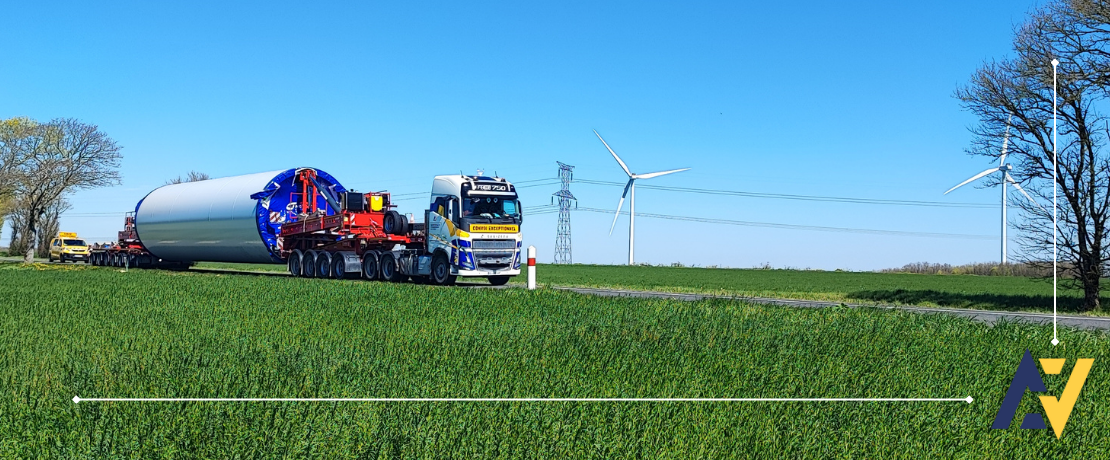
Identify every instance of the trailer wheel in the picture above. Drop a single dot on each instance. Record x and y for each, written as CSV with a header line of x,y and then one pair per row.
x,y
498,280
294,262
308,265
370,265
323,264
441,271
339,267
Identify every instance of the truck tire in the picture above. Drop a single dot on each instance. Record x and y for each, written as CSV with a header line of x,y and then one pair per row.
x,y
370,265
339,267
294,262
498,280
402,224
389,225
323,264
308,264
394,223
441,271
389,269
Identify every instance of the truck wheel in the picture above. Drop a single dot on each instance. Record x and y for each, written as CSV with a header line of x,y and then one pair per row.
x,y
402,224
132,261
308,265
498,280
323,264
389,222
339,267
389,269
441,271
370,265
295,262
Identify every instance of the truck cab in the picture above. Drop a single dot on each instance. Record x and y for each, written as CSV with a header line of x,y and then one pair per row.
x,y
475,222
67,246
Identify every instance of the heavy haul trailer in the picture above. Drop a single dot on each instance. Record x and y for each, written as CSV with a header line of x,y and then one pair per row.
x,y
128,251
303,217
470,229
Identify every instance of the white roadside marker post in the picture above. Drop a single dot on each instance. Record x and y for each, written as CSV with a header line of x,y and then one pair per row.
x,y
531,268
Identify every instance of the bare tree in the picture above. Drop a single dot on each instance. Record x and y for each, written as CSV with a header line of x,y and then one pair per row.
x,y
1023,87
193,176
68,155
16,143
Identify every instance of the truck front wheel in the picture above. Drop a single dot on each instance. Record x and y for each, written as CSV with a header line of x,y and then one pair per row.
x,y
441,271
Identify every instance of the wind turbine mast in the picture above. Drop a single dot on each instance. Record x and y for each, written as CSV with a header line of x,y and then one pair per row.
x,y
630,192
1006,179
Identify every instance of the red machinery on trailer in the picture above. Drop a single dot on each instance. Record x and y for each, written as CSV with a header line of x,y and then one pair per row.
x,y
357,241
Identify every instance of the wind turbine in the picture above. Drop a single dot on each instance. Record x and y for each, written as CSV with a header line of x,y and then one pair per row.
x,y
630,189
1004,169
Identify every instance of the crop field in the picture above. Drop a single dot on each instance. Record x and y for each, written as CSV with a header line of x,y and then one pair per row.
x,y
96,332
962,291
957,291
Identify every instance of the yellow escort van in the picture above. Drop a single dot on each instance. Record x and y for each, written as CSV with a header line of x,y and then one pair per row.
x,y
68,247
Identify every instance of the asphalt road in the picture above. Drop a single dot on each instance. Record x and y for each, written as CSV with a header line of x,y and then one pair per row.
x,y
986,316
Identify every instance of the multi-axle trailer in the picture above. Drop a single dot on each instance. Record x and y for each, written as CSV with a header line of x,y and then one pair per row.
x,y
304,218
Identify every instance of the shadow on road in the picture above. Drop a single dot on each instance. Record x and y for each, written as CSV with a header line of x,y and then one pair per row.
x,y
1003,302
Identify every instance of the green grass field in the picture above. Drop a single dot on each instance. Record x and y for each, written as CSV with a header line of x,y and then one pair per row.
x,y
958,291
96,332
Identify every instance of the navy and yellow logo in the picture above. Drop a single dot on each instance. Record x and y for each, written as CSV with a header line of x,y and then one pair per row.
x,y
1029,377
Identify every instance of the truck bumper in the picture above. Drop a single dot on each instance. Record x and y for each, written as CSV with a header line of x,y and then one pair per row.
x,y
484,273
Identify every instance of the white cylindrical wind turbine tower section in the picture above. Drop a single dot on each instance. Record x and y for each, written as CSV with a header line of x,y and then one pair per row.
x,y
1004,220
632,224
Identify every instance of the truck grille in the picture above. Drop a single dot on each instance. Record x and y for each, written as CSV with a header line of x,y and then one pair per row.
x,y
494,244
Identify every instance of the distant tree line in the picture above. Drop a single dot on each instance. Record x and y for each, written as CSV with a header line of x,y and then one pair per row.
x,y
40,164
981,269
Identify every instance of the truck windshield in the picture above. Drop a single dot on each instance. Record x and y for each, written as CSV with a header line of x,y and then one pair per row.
x,y
74,242
491,207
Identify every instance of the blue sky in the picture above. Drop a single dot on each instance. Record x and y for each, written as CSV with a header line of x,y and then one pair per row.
x,y
849,99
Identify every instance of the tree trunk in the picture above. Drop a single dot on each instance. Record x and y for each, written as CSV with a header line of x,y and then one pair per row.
x,y
1090,274
29,253
1090,294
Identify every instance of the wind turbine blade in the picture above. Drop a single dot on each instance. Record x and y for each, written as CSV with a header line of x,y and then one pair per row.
x,y
1018,187
620,205
657,174
972,178
625,168
1005,141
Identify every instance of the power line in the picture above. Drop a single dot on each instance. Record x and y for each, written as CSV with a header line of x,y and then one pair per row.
x,y
782,196
799,227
